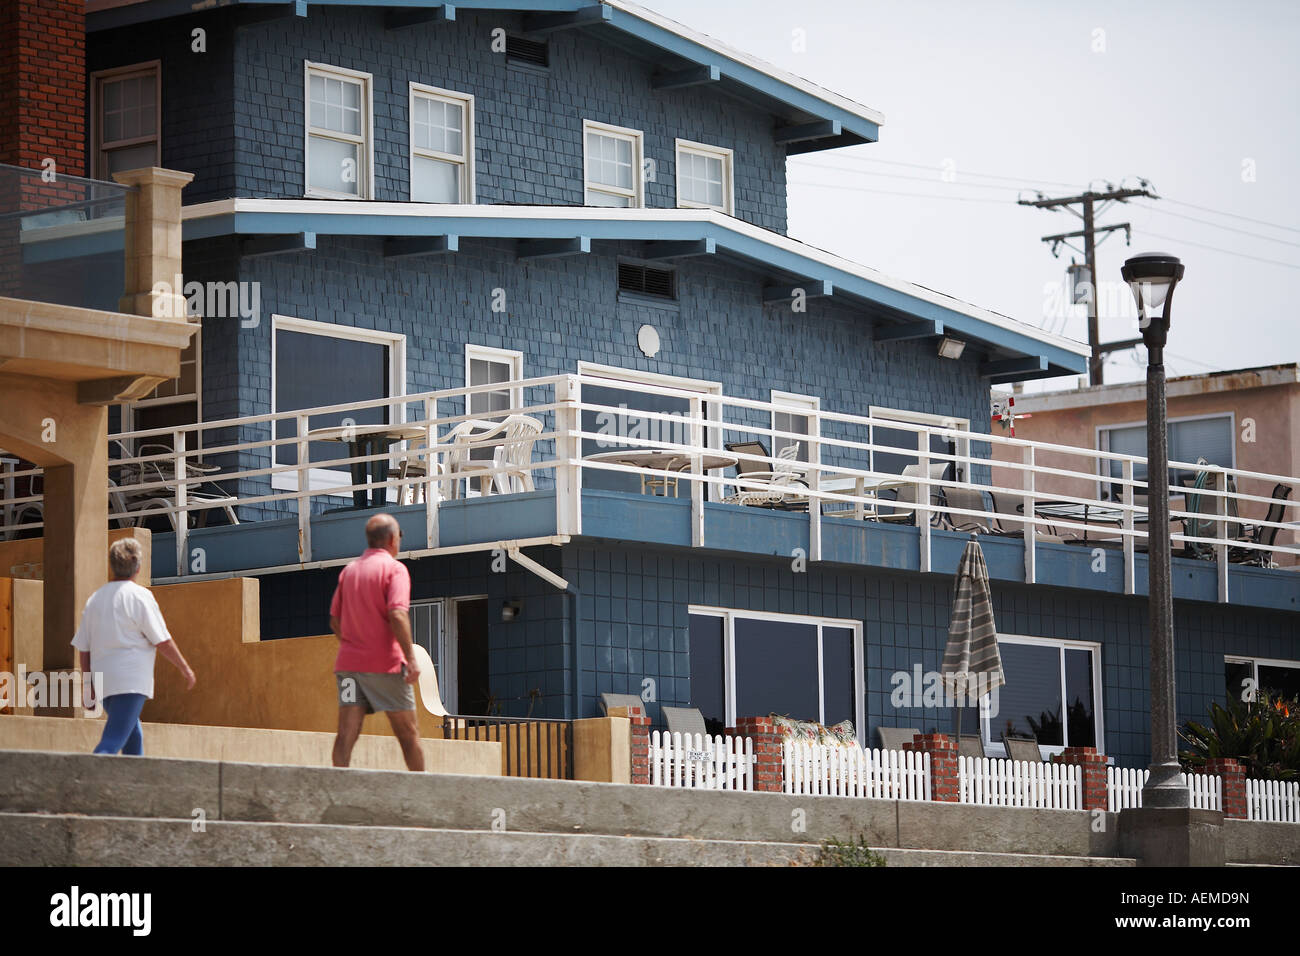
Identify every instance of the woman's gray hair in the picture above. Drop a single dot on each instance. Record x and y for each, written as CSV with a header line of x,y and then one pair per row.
x,y
124,557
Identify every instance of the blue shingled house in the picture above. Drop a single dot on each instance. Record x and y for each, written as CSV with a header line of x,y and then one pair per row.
x,y
532,258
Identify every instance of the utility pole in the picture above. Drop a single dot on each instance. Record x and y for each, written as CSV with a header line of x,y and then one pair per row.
x,y
1088,212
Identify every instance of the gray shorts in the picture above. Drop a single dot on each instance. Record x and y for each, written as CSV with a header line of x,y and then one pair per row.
x,y
375,692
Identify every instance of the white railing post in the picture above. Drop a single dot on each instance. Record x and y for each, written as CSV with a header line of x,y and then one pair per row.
x,y
923,518
1126,497
1221,532
568,447
181,518
432,488
303,473
814,484
697,486
1031,562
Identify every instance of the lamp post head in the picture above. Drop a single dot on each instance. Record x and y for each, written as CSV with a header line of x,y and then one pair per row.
x,y
1152,277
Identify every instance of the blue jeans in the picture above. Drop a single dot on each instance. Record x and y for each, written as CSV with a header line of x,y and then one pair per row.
x,y
122,730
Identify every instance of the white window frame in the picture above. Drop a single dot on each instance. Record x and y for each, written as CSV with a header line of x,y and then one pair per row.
x,y
1102,440
486,353
791,403
396,343
466,161
728,175
366,140
637,193
995,748
1254,663
729,616
923,418
99,164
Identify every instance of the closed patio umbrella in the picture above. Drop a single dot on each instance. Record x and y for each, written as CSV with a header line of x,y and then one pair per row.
x,y
972,635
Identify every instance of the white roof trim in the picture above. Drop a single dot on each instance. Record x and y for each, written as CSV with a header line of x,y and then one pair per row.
x,y
344,207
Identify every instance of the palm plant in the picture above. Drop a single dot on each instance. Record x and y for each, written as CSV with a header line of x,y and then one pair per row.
x,y
1263,735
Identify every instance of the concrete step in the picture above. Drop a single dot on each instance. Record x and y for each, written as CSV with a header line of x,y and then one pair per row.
x,y
147,787
35,839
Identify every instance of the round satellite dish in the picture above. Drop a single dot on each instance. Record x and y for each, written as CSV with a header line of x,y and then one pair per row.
x,y
648,340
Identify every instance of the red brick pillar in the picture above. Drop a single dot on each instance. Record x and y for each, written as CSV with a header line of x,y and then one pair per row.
x,y
1092,770
640,745
767,751
943,764
1233,775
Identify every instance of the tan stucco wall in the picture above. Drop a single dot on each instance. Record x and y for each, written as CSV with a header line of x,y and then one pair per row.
x,y
245,745
25,557
1276,449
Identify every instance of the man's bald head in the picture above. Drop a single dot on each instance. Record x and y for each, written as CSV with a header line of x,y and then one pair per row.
x,y
382,531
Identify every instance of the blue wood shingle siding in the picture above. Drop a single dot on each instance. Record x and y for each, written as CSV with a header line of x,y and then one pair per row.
x,y
633,623
234,116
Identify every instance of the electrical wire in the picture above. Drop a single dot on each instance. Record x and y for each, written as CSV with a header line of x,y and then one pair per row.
x,y
1217,225
1012,179
891,192
1230,252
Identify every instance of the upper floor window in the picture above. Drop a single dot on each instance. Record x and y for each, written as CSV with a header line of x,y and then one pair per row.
x,y
1248,677
442,145
490,366
795,421
1190,439
703,176
126,113
612,159
338,159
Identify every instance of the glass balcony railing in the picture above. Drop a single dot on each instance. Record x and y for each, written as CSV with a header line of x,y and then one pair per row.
x,y
61,238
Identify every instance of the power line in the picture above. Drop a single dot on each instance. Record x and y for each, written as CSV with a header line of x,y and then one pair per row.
x,y
925,179
1218,225
1242,255
1232,215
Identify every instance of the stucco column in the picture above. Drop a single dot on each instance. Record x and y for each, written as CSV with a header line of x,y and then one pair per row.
x,y
153,242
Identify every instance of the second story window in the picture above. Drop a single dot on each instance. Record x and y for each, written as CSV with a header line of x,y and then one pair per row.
x,y
338,133
612,158
704,177
442,145
125,104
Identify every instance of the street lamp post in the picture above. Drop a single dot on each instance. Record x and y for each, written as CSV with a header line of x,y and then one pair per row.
x,y
1152,278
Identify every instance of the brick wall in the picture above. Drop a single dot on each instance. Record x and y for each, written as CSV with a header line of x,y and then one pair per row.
x,y
42,89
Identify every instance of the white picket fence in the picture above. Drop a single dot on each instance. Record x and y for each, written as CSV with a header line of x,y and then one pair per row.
x,y
993,782
701,762
1276,801
822,770
1124,788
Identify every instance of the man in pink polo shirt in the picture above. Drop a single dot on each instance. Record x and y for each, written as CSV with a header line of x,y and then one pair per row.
x,y
376,668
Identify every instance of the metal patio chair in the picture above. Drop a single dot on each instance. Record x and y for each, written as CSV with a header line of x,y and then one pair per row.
x,y
893,738
1022,748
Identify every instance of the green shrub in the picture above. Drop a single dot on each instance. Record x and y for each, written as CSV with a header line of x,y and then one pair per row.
x,y
837,853
1264,735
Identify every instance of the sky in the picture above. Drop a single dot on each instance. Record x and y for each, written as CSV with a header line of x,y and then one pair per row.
x,y
1201,99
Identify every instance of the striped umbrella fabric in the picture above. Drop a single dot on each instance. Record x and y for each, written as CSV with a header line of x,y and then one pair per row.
x,y
972,635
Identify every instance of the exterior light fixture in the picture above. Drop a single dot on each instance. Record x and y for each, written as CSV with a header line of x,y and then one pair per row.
x,y
510,610
1152,278
951,348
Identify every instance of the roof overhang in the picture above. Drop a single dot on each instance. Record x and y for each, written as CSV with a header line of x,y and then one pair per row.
x,y
1185,386
806,117
897,309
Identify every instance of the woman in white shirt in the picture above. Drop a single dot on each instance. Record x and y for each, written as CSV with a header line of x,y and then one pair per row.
x,y
121,628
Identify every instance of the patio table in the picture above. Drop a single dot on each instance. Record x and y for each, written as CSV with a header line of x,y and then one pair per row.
x,y
663,460
364,441
1084,514
861,486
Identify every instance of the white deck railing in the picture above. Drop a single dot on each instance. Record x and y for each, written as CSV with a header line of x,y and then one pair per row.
x,y
701,762
838,477
810,769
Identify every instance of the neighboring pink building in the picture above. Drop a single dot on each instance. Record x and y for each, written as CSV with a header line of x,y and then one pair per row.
x,y
1245,419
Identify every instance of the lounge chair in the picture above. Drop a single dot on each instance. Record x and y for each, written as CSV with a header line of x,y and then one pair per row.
x,y
1013,525
783,481
1022,748
1264,534
969,498
909,495
970,745
685,720
893,738
608,700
